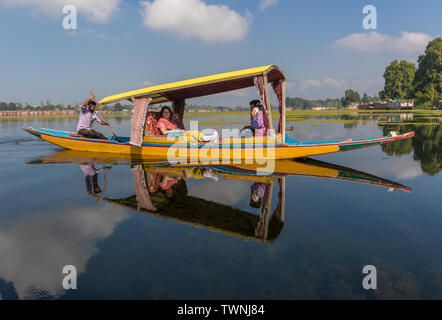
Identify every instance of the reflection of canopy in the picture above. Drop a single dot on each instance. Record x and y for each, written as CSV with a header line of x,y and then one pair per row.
x,y
211,215
204,213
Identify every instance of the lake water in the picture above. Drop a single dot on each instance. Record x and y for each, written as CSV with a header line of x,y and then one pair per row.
x,y
198,235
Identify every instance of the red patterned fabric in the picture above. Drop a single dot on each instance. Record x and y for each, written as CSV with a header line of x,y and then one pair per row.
x,y
151,124
138,122
277,88
277,212
259,83
152,118
141,192
178,109
154,182
266,198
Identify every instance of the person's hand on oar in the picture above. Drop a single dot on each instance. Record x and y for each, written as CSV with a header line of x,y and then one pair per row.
x,y
104,123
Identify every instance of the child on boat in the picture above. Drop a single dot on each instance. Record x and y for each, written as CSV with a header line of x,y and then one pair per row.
x,y
257,193
257,124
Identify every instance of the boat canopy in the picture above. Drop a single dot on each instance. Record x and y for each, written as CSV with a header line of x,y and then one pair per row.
x,y
199,87
178,92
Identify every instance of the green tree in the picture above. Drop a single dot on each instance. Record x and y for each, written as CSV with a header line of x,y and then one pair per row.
x,y
428,79
349,97
366,98
399,78
11,106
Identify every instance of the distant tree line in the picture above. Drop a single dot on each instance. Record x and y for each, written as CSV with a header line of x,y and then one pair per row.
x,y
303,104
350,96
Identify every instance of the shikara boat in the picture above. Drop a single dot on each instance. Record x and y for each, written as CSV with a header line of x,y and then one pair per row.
x,y
144,140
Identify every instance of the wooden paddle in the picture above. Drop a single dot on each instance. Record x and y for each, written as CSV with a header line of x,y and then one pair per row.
x,y
108,124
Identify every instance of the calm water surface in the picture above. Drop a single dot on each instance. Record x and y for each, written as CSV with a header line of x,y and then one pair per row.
x,y
196,234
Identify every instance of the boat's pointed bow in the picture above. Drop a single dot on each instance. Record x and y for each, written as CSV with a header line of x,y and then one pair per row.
x,y
32,131
409,135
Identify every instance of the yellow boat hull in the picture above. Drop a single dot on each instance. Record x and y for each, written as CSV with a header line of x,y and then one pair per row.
x,y
224,152
235,149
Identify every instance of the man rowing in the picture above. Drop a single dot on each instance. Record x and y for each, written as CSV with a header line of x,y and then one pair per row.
x,y
87,117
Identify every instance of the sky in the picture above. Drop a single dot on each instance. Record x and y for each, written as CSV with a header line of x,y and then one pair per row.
x,y
122,45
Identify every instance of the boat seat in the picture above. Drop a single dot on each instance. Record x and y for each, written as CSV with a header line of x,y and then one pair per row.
x,y
151,123
152,118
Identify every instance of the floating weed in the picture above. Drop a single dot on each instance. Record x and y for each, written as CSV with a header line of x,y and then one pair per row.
x,y
295,129
335,121
214,123
409,123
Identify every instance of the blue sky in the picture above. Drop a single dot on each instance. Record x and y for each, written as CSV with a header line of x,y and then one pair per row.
x,y
125,44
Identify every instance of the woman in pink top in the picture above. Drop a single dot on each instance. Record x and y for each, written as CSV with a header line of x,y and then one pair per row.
x,y
164,124
169,128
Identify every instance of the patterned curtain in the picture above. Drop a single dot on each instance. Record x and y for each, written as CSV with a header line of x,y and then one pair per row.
x,y
277,88
259,83
277,212
262,226
178,109
141,192
138,121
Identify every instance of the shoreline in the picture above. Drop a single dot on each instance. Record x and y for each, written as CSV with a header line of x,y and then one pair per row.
x,y
244,113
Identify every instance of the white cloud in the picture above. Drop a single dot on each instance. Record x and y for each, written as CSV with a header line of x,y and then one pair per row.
x,y
224,191
264,4
195,19
328,82
408,42
35,248
242,93
290,85
96,10
401,168
334,83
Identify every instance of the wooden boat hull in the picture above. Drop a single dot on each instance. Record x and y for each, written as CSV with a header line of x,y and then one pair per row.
x,y
231,149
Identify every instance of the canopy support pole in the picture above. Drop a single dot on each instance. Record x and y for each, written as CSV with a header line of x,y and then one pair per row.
x,y
268,211
138,120
283,87
267,101
282,199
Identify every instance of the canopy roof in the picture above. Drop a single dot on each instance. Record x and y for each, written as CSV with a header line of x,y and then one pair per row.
x,y
202,86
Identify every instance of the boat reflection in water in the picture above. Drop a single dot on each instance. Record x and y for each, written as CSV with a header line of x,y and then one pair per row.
x,y
161,190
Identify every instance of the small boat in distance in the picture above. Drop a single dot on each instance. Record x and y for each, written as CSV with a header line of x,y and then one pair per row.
x,y
276,145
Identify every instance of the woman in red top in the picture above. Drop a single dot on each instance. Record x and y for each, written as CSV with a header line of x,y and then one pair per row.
x,y
164,124
167,127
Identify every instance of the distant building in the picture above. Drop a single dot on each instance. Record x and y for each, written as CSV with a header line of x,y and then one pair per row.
x,y
353,106
324,108
404,104
25,113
